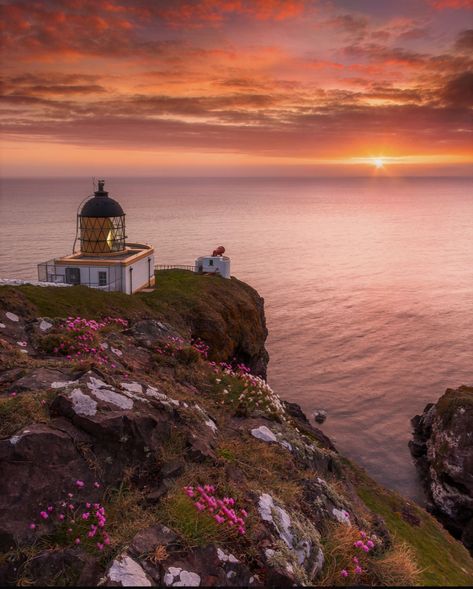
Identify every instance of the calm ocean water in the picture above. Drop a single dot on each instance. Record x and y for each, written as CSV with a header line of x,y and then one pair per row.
x,y
368,283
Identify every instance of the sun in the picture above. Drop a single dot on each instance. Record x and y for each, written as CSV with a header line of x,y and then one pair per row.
x,y
378,163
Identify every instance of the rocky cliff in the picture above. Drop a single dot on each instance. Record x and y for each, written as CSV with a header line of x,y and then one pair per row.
x,y
443,450
141,445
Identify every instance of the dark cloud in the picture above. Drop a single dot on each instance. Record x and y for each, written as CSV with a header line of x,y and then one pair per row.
x,y
384,92
459,90
64,90
381,53
254,124
464,42
356,26
413,34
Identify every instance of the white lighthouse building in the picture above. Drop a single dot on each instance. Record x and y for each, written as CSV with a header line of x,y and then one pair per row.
x,y
104,260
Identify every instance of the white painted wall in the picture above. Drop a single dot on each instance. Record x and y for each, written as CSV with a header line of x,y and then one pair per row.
x,y
118,276
213,263
142,271
89,275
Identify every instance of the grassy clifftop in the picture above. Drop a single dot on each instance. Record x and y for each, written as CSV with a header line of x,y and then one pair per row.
x,y
227,314
138,445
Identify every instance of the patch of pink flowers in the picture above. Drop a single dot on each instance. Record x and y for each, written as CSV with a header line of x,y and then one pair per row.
x,y
82,521
364,545
222,510
175,344
83,344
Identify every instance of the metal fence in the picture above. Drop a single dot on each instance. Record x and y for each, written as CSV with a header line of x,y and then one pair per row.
x,y
47,273
174,267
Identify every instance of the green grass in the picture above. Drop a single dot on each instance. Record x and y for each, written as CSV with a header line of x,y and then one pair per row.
x,y
22,410
443,560
452,400
221,312
196,528
61,302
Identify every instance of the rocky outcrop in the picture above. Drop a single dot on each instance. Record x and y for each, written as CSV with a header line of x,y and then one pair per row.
x,y
145,449
443,450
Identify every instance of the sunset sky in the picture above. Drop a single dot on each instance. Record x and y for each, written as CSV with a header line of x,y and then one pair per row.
x,y
237,87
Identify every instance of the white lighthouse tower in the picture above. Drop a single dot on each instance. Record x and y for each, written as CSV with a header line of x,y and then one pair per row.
x,y
104,260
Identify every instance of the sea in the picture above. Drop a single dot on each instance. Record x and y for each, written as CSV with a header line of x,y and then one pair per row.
x,y
368,283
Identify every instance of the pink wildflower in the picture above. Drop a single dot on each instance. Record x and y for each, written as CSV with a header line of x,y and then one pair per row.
x,y
97,485
344,573
86,515
365,548
199,506
50,508
32,526
358,544
358,570
77,541
370,544
99,546
61,516
80,484
44,515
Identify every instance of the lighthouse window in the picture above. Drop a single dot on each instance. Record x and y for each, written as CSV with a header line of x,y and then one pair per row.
x,y
102,278
211,262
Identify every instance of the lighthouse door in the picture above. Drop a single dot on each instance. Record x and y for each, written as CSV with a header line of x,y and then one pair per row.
x,y
73,275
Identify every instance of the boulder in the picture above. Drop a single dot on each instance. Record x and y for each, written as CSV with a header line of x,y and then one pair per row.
x,y
320,415
39,466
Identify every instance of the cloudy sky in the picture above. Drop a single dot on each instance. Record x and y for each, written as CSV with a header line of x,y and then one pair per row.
x,y
248,87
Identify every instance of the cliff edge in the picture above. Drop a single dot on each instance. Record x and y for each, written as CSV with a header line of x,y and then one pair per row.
x,y
443,450
140,445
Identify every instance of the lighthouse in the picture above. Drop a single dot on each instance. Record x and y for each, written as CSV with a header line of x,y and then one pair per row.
x,y
103,258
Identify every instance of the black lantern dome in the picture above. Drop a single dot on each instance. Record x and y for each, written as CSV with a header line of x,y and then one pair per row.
x,y
101,224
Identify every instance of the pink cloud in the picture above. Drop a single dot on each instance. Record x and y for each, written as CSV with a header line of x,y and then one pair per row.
x,y
442,4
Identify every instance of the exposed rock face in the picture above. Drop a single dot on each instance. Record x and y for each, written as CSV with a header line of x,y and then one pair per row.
x,y
443,450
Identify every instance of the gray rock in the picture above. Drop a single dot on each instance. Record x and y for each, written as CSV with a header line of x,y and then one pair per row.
x,y
320,415
264,433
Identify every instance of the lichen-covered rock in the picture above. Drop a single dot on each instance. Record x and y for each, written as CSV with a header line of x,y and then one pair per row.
x,y
443,450
296,553
161,557
126,572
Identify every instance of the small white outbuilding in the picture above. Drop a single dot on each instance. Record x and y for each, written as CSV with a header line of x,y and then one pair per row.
x,y
214,265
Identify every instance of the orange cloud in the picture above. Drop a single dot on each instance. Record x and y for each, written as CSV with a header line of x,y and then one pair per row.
x,y
196,14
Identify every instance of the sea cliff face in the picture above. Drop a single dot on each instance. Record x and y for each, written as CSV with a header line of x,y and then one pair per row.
x,y
141,445
443,449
